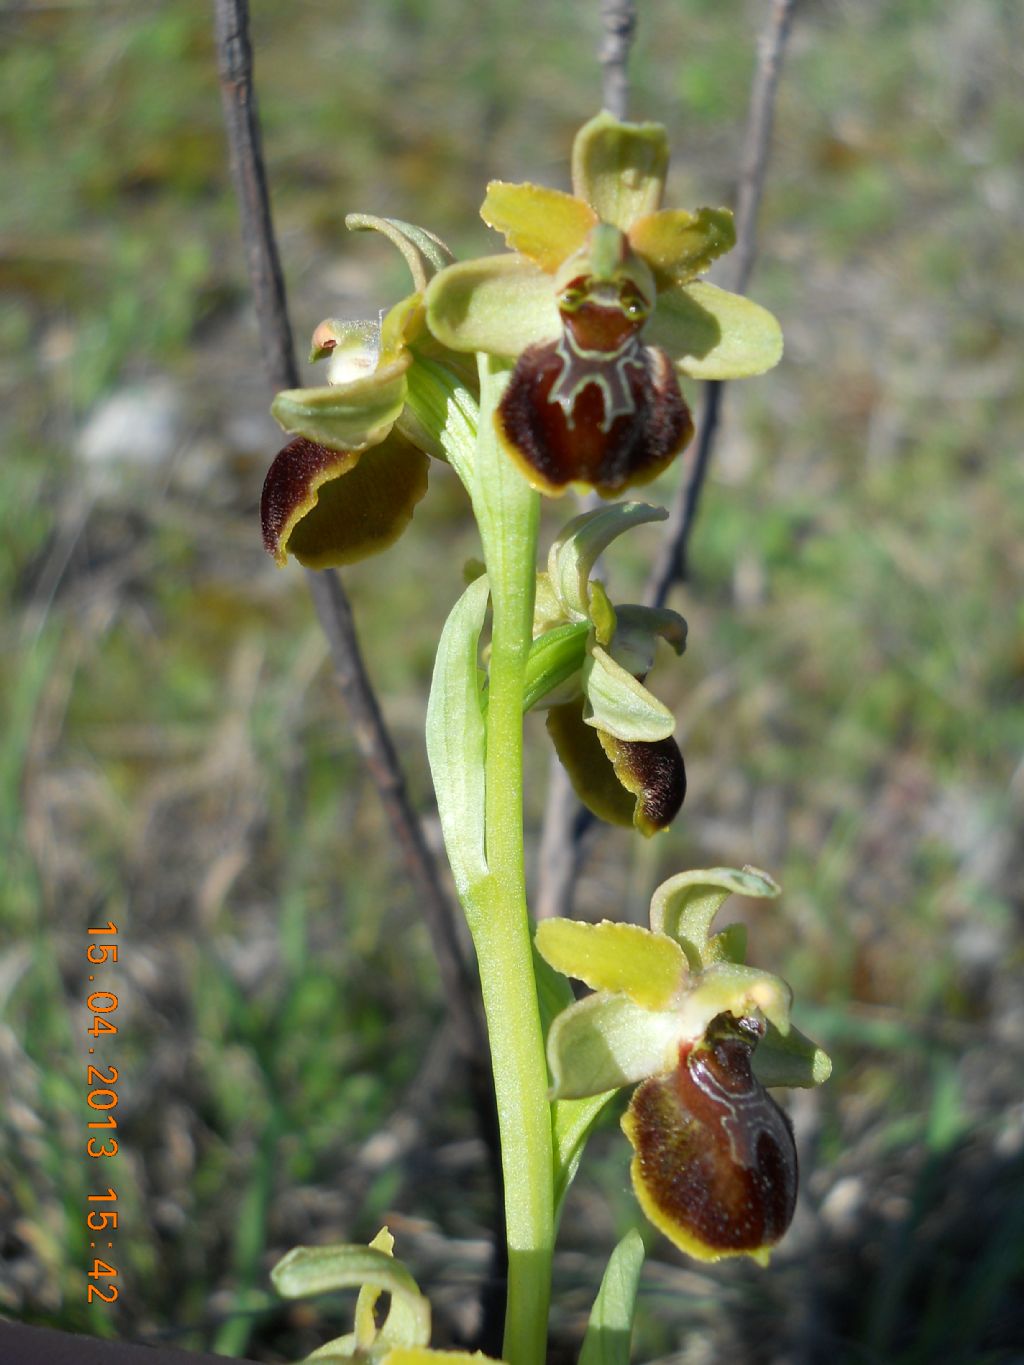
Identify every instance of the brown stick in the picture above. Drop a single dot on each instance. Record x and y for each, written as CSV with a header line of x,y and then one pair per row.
x,y
618,19
566,822
671,566
234,53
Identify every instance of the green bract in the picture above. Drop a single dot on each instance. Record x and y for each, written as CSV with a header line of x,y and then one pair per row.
x,y
673,1006
347,485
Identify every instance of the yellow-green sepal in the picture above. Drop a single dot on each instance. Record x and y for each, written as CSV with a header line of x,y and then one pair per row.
x,y
347,416
790,1059
620,168
649,968
684,906
424,253
620,705
605,1042
497,304
713,334
543,224
581,543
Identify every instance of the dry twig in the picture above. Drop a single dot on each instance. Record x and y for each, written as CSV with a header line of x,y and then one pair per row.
x,y
618,19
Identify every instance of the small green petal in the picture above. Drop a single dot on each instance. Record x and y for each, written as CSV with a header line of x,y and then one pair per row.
x,y
620,168
424,253
365,1321
583,541
545,225
790,1059
602,614
684,906
623,958
621,706
497,304
712,334
606,1041
678,245
349,416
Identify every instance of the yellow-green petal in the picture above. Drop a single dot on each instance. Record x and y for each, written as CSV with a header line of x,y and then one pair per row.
x,y
497,304
606,1041
620,168
678,245
649,968
712,334
348,416
545,225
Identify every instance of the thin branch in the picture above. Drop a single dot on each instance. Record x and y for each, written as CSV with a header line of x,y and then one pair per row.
x,y
566,822
618,20
234,53
671,566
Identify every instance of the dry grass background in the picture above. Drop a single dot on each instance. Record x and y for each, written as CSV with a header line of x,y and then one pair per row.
x,y
173,756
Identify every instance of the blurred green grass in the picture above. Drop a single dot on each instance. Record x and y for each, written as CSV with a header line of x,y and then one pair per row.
x,y
173,756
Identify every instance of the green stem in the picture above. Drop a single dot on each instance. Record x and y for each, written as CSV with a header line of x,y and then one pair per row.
x,y
507,514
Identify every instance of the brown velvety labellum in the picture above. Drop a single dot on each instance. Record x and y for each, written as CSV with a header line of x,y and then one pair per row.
x,y
297,469
554,416
716,1156
656,775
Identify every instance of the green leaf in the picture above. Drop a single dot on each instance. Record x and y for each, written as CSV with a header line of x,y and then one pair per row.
x,y
624,958
555,657
620,168
424,253
712,334
456,737
611,1318
619,705
581,543
605,1042
790,1059
497,304
348,416
684,906
321,1270
571,1125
